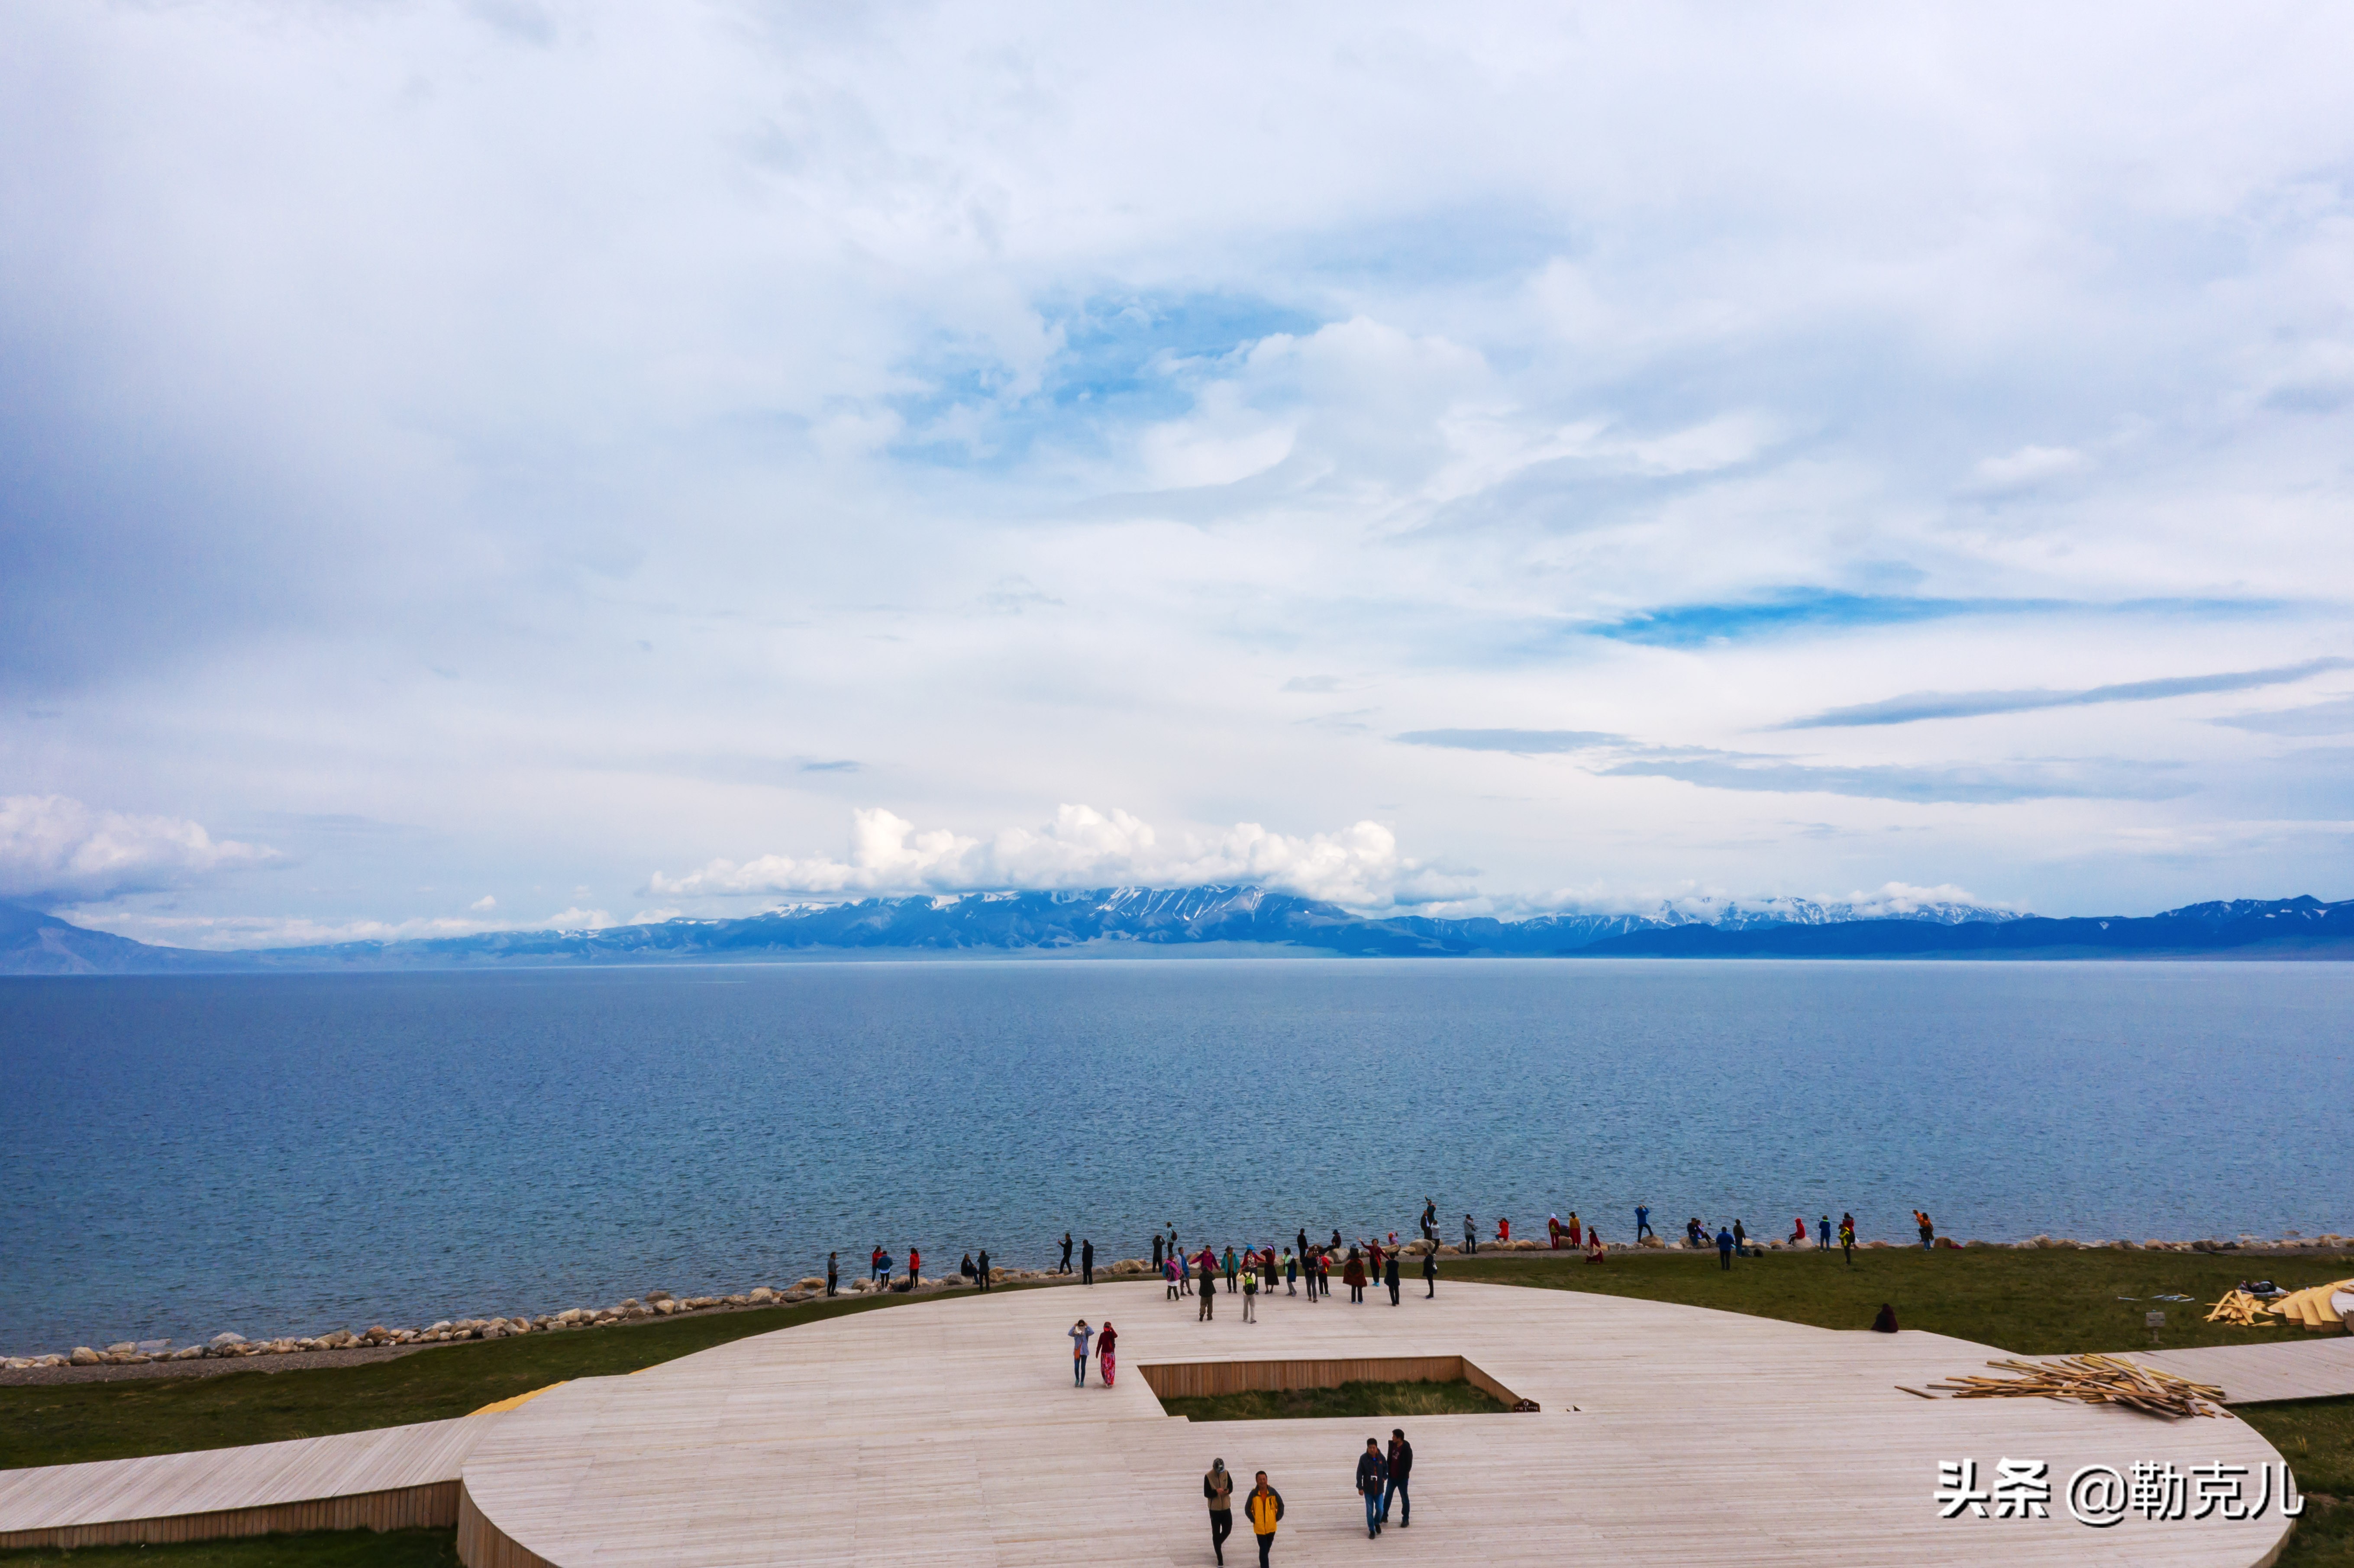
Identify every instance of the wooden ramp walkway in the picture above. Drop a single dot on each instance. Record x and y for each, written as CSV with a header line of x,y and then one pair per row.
x,y
2255,1374
389,1478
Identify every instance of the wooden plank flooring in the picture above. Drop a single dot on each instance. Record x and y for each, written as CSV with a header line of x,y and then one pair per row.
x,y
2321,1368
35,1504
948,1433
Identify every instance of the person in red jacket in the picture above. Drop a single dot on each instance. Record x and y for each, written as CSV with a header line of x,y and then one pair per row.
x,y
1105,1340
915,1266
1504,1230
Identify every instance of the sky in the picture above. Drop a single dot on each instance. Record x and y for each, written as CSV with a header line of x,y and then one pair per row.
x,y
512,463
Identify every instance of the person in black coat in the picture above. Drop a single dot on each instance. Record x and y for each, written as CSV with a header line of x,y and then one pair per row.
x,y
1390,1278
980,1268
1430,1272
1087,1261
1401,1462
1066,1252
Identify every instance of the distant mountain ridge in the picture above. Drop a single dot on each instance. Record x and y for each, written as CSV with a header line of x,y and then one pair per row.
x,y
1165,919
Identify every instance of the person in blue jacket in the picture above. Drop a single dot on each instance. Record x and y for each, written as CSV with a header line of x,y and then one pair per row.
x,y
1373,1476
1723,1247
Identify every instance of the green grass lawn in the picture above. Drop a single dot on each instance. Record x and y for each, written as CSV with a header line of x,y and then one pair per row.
x,y
1367,1399
2036,1303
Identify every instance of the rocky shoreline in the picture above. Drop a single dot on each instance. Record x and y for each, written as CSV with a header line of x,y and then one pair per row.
x,y
660,1304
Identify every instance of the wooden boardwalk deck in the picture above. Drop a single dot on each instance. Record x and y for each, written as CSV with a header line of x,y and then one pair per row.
x,y
948,1433
2252,1375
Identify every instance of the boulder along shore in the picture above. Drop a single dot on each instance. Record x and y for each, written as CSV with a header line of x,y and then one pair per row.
x,y
232,1352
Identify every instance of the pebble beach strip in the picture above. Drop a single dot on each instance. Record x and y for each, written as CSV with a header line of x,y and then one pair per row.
x,y
663,1304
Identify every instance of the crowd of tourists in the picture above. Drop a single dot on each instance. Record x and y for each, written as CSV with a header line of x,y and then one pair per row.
x,y
1369,1262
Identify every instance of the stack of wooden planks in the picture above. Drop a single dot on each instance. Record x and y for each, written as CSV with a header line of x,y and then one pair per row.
x,y
2240,1308
2312,1308
2094,1379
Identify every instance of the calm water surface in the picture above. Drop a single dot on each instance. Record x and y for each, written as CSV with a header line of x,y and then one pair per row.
x,y
294,1153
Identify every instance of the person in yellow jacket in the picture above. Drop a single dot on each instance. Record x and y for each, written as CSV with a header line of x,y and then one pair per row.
x,y
1265,1508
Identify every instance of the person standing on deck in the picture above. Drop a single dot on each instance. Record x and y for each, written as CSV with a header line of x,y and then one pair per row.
x,y
1401,1463
980,1268
1430,1272
1250,1295
1846,1237
833,1272
1353,1275
1290,1272
1080,1335
1724,1248
1103,1343
1219,1486
1642,1222
1209,1283
1171,1268
1390,1275
1066,1266
1470,1237
1230,1269
1372,1475
1374,1259
1264,1507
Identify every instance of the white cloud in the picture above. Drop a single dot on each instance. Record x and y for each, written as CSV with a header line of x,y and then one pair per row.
x,y
1903,898
483,905
1358,867
53,847
225,932
2026,468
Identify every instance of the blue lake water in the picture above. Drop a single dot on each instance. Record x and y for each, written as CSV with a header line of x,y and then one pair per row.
x,y
292,1153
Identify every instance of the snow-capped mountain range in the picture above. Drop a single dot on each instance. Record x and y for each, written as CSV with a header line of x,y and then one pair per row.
x,y
1145,919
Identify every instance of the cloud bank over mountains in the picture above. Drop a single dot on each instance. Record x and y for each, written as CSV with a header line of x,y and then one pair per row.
x,y
1358,867
491,451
